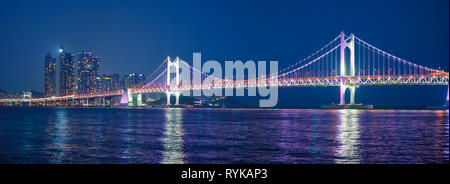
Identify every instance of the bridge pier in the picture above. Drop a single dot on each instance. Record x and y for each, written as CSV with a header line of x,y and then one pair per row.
x,y
139,100
342,94
168,98
352,94
352,90
177,98
134,100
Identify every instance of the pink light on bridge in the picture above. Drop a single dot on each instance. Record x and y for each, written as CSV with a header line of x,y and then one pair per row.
x,y
124,99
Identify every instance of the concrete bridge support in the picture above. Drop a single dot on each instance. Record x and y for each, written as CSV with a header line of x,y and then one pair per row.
x,y
176,64
177,98
134,100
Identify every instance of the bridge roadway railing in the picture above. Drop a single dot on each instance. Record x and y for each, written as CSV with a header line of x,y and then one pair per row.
x,y
64,98
432,79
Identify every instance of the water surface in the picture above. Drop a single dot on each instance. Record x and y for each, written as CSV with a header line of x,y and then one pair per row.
x,y
115,135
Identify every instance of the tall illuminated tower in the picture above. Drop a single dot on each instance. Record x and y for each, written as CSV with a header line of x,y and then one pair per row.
x,y
49,76
87,73
66,73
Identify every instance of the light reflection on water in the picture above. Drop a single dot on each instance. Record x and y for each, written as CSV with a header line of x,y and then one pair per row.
x,y
173,137
61,137
96,135
349,135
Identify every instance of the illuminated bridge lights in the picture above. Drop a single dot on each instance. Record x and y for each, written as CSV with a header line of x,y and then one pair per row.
x,y
324,67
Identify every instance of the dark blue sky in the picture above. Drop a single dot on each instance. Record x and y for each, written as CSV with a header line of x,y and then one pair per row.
x,y
136,36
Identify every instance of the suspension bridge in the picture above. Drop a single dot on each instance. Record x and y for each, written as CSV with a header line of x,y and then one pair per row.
x,y
346,62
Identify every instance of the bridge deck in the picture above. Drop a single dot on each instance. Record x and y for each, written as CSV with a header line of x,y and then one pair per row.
x,y
440,79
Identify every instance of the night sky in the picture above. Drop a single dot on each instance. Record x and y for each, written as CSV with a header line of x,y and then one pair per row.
x,y
135,36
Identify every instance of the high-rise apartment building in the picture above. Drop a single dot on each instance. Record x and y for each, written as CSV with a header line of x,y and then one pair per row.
x,y
66,73
115,81
132,80
87,73
49,76
108,82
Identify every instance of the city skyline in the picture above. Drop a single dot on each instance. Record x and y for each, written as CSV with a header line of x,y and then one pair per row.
x,y
89,78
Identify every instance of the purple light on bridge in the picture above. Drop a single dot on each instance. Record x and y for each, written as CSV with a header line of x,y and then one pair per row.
x,y
124,99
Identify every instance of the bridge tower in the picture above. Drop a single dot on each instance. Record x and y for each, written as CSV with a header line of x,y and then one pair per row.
x,y
169,89
343,70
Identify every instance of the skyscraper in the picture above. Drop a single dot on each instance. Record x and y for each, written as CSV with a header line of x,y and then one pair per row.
x,y
49,76
87,73
115,81
104,83
66,73
108,82
132,80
